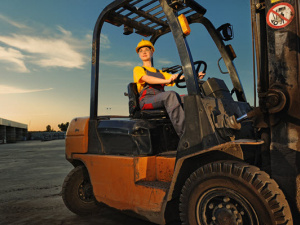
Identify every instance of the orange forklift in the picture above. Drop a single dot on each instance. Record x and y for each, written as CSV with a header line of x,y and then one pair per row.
x,y
219,171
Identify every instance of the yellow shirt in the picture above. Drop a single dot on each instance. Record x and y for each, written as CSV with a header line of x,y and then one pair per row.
x,y
138,72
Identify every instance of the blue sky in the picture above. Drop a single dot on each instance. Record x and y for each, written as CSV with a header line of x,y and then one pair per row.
x,y
45,54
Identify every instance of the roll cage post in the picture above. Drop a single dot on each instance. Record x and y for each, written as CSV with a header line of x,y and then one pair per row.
x,y
238,88
183,50
224,54
95,55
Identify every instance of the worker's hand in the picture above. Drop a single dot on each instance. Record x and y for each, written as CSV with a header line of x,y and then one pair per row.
x,y
201,75
172,78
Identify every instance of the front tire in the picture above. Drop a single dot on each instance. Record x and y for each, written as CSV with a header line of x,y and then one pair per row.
x,y
227,193
77,193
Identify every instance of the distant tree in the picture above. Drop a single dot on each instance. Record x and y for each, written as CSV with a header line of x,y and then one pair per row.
x,y
63,126
48,128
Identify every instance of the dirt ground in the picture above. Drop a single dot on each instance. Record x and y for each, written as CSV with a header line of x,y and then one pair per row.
x,y
31,175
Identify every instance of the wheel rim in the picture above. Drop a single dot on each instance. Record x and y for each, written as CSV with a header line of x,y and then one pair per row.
x,y
85,192
224,206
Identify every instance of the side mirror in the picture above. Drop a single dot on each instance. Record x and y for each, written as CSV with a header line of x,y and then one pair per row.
x,y
226,31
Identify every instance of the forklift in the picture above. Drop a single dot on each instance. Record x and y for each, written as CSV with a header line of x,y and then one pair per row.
x,y
234,164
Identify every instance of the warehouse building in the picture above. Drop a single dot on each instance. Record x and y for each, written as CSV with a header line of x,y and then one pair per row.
x,y
11,131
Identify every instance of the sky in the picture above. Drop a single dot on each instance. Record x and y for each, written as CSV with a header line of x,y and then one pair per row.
x,y
45,58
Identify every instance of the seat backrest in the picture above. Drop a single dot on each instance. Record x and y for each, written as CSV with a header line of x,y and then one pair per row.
x,y
134,106
133,96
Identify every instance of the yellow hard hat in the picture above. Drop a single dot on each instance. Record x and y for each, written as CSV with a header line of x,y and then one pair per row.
x,y
144,43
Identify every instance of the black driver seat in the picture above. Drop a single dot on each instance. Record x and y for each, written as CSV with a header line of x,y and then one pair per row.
x,y
134,107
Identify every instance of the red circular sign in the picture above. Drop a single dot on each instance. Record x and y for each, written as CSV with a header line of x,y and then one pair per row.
x,y
280,15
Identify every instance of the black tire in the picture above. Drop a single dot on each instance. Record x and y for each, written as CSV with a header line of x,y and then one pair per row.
x,y
227,193
77,193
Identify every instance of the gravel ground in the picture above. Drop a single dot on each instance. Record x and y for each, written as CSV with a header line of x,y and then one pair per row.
x,y
31,175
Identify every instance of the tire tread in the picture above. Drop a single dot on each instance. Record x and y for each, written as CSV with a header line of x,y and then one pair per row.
x,y
259,180
85,209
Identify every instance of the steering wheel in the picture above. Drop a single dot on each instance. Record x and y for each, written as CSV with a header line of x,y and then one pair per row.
x,y
198,63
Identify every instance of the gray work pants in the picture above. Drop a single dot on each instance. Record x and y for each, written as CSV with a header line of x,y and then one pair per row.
x,y
171,101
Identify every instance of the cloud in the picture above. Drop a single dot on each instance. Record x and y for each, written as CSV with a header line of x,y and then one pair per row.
x,y
164,62
14,90
65,32
47,49
13,23
104,41
119,63
47,52
13,57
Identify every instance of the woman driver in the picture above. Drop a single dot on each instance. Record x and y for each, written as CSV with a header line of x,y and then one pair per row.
x,y
150,85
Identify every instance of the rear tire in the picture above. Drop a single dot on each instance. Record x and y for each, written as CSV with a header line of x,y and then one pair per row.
x,y
77,193
228,193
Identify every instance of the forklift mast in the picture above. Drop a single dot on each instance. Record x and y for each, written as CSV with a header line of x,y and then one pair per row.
x,y
276,28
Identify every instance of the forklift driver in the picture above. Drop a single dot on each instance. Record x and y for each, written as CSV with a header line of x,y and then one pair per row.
x,y
150,85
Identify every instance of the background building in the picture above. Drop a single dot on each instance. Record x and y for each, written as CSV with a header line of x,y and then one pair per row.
x,y
11,131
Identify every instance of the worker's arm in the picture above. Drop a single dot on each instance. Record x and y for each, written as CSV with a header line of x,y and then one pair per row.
x,y
200,75
155,80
